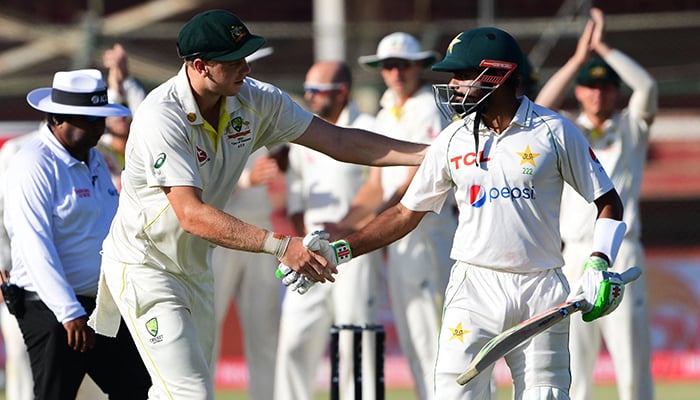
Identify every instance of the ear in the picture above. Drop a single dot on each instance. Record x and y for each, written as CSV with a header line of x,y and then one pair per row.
x,y
200,66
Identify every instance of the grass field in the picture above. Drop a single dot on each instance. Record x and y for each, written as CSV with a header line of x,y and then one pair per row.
x,y
664,391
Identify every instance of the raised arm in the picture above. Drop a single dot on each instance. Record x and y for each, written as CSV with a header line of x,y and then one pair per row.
x,y
554,92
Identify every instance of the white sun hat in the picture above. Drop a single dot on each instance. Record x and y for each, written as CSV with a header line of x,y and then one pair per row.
x,y
399,45
79,92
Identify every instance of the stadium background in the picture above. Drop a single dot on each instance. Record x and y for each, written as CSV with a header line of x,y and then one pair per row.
x,y
39,37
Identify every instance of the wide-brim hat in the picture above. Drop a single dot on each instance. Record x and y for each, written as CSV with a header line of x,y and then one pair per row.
x,y
217,35
79,92
399,45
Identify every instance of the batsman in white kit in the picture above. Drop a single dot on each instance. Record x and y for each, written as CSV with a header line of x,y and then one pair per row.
x,y
506,160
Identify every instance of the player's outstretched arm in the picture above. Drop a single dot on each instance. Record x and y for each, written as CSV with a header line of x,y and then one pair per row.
x,y
358,146
389,226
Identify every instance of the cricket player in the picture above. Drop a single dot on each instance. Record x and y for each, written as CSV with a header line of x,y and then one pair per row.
x,y
506,160
620,140
415,292
189,141
321,189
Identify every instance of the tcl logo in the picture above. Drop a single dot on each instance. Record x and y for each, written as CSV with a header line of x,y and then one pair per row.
x,y
468,159
479,194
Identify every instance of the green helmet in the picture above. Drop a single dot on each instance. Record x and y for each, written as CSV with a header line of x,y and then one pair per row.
x,y
492,52
468,49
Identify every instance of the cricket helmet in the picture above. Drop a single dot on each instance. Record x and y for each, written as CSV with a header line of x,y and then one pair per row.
x,y
491,51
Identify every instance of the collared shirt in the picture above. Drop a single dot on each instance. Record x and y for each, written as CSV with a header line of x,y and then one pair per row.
x,y
169,145
57,212
509,204
320,186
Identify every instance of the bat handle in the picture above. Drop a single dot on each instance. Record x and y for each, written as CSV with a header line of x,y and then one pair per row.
x,y
632,274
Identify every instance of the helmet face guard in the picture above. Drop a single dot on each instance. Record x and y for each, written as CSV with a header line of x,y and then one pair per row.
x,y
458,101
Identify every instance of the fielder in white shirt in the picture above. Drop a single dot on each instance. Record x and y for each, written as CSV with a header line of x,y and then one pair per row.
x,y
320,190
407,111
189,142
620,139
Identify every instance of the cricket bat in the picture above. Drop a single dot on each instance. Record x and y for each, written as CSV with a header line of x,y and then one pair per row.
x,y
510,339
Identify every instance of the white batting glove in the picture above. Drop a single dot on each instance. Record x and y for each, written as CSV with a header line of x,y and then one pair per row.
x,y
294,280
336,253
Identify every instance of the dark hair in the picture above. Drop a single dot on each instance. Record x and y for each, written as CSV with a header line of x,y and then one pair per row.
x,y
343,75
54,119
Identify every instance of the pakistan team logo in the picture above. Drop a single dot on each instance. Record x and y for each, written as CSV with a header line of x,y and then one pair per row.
x,y
152,326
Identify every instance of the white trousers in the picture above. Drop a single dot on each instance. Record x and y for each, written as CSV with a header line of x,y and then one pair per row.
x,y
417,273
249,279
171,319
625,331
354,298
481,303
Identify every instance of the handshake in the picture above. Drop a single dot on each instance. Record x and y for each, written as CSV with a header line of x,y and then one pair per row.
x,y
337,252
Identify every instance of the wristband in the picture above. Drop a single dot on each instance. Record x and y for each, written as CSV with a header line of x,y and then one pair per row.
x,y
342,251
607,237
275,244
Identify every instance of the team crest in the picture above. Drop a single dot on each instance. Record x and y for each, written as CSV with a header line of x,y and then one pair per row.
x,y
527,156
237,124
458,332
152,326
238,33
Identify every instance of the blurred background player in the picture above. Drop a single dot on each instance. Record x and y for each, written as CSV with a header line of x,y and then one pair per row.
x,y
245,277
321,189
122,89
620,140
418,265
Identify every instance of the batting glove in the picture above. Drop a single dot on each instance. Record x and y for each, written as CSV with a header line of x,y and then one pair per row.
x,y
294,280
337,252
603,290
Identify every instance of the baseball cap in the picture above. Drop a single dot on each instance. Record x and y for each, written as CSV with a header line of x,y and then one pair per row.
x,y
399,45
597,71
216,35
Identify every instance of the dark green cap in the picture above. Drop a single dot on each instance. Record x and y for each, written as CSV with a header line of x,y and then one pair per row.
x,y
216,35
597,71
467,49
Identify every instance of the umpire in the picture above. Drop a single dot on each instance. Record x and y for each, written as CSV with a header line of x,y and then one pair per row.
x,y
59,207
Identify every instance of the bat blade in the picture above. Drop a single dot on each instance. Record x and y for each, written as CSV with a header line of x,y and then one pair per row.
x,y
510,339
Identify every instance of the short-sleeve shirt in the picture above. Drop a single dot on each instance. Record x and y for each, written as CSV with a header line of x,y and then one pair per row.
x,y
509,203
169,146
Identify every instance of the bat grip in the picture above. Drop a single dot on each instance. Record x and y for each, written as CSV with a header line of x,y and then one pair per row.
x,y
632,274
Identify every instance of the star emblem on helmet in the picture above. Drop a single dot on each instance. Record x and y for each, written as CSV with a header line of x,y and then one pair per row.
x,y
454,41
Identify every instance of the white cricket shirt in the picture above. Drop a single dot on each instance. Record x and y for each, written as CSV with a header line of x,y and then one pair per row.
x,y
509,204
168,146
57,213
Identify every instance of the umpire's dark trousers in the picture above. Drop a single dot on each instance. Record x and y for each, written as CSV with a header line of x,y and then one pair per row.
x,y
114,364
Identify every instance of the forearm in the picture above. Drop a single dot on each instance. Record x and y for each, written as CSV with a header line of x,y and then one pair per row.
x,y
387,228
358,146
644,100
554,92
